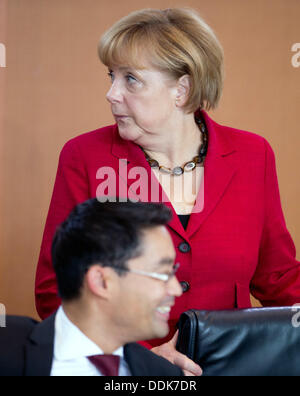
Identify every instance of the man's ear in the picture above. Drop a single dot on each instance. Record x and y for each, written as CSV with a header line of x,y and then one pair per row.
x,y
183,90
97,280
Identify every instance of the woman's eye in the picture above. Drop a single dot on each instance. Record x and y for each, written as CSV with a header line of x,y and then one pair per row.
x,y
111,75
130,79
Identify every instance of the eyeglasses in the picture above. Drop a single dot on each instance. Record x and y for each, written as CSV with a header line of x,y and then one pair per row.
x,y
163,277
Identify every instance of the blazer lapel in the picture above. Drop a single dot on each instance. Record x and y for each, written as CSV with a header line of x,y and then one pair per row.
x,y
39,349
135,360
219,169
132,164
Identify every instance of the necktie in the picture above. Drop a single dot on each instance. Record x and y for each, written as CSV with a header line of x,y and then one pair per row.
x,y
108,365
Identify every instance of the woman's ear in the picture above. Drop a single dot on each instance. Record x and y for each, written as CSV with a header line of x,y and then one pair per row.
x,y
183,90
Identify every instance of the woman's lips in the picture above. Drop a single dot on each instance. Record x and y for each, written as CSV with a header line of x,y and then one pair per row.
x,y
120,117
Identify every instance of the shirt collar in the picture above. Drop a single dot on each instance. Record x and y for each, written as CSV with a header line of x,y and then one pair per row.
x,y
71,343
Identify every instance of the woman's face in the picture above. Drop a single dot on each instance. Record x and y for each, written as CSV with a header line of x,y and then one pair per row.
x,y
142,101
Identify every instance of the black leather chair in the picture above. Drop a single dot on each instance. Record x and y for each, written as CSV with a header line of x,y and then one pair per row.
x,y
248,342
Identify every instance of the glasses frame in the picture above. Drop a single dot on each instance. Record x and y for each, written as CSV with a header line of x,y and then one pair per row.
x,y
162,277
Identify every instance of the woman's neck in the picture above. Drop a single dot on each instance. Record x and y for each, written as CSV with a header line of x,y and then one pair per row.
x,y
177,145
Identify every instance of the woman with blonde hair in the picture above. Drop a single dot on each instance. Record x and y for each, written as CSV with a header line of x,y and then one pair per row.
x,y
228,229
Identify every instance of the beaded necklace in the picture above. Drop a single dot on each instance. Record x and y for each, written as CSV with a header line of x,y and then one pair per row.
x,y
188,166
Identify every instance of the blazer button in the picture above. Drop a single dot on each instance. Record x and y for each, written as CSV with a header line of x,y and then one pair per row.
x,y
184,247
185,286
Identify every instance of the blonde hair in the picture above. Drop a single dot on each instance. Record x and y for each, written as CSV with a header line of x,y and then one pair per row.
x,y
176,41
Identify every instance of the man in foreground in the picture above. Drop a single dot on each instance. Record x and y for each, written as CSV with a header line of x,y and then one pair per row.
x,y
114,264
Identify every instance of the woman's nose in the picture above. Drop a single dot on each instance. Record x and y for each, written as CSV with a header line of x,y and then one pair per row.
x,y
114,95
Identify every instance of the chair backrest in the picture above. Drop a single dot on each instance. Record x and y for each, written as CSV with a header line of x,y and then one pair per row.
x,y
247,342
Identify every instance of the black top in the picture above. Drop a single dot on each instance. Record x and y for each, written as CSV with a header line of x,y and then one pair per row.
x,y
184,219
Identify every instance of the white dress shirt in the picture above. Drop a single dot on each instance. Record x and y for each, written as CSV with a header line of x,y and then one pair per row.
x,y
71,349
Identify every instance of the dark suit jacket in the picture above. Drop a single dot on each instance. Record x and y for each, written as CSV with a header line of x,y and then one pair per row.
x,y
26,349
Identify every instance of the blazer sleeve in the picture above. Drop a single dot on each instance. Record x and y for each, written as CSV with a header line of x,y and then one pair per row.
x,y
70,188
276,281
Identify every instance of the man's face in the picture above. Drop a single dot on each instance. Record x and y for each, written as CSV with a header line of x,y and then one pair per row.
x,y
142,304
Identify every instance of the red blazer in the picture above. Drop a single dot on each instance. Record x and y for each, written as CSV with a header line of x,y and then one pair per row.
x,y
237,244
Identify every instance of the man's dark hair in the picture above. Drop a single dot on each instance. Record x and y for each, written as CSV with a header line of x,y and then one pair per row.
x,y
108,234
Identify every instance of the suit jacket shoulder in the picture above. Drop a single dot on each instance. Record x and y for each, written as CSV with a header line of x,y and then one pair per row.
x,y
230,138
26,347
86,141
143,362
13,337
